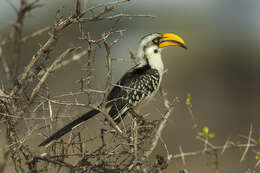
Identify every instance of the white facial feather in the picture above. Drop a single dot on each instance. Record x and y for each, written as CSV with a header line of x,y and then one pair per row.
x,y
144,42
151,52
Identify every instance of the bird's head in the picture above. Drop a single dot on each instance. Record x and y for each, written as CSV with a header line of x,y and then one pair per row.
x,y
156,42
151,45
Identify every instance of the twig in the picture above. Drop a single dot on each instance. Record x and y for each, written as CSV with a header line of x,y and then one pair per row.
x,y
5,65
45,76
159,130
35,34
51,115
132,56
64,63
56,162
169,156
182,156
248,144
112,17
18,30
45,49
109,66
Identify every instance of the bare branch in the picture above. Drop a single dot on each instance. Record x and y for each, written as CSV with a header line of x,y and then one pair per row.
x,y
25,7
248,143
113,17
49,70
35,34
6,67
159,130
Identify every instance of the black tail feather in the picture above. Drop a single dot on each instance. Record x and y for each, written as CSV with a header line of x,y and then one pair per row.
x,y
69,127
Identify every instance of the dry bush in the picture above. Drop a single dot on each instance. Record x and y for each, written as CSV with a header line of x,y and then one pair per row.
x,y
25,95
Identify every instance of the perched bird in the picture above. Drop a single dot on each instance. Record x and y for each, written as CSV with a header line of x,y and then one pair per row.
x,y
137,86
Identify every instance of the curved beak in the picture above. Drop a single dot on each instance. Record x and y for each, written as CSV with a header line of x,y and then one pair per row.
x,y
170,39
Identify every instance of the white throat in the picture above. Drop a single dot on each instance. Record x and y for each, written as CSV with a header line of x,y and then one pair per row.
x,y
155,61
154,58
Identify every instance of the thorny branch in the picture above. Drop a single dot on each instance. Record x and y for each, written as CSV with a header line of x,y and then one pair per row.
x,y
25,7
117,148
28,85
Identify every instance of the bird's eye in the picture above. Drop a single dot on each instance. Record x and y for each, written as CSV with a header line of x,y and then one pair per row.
x,y
156,41
155,50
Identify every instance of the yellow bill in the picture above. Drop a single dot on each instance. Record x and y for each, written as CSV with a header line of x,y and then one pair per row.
x,y
169,39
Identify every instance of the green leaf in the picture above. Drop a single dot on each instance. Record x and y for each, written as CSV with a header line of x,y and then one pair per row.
x,y
257,157
258,141
205,129
200,134
211,135
188,99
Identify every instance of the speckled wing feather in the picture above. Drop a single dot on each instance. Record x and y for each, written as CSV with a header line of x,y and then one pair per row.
x,y
131,89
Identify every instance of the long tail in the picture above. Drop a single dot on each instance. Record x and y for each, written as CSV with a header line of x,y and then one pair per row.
x,y
69,127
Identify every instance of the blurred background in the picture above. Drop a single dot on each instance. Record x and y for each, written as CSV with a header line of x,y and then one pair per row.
x,y
220,69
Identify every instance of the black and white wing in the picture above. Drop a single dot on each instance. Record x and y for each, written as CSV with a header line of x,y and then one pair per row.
x,y
133,88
